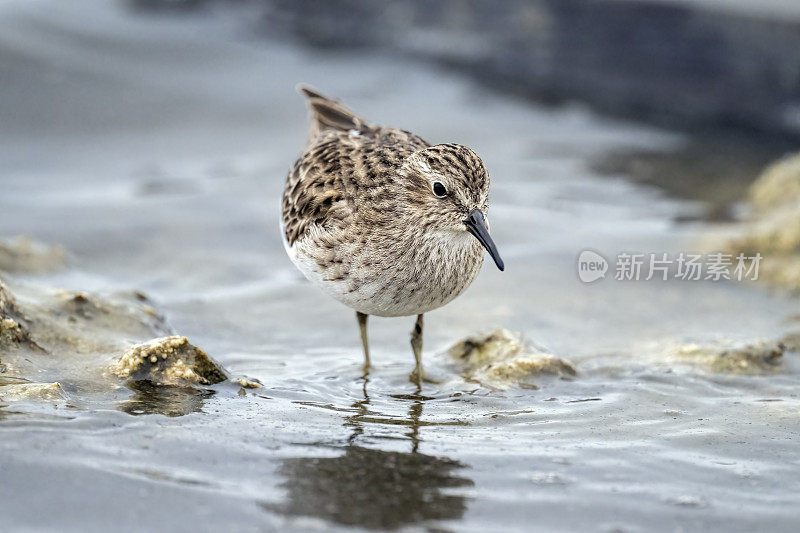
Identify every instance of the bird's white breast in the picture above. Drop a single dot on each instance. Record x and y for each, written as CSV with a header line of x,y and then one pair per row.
x,y
392,281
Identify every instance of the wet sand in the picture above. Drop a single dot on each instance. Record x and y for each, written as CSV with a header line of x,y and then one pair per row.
x,y
153,150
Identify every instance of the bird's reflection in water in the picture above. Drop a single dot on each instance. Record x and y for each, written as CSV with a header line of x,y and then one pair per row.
x,y
372,488
149,398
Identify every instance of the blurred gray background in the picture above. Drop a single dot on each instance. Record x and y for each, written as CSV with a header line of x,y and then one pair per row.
x,y
695,64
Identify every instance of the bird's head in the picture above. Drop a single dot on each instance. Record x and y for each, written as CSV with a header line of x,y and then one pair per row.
x,y
449,186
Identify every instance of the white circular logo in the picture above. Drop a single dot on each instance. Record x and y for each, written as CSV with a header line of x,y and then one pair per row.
x,y
591,266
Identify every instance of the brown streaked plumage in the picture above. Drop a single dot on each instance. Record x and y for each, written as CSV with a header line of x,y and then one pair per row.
x,y
383,221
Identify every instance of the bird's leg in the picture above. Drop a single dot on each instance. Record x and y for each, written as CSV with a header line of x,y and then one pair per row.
x,y
416,346
362,324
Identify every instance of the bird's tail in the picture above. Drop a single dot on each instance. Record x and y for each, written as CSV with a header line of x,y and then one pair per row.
x,y
328,114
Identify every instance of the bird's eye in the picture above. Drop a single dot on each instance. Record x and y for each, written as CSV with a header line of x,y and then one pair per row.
x,y
439,189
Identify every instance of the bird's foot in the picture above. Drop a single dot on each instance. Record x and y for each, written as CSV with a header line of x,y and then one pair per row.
x,y
418,377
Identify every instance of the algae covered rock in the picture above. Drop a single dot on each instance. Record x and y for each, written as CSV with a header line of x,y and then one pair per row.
x,y
67,336
11,332
14,334
733,358
7,303
50,336
778,185
70,322
502,359
90,323
169,361
774,227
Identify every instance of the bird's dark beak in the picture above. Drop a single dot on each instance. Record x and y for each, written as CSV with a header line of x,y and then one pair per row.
x,y
476,225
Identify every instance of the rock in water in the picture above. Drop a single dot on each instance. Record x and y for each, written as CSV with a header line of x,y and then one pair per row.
x,y
169,361
774,228
730,358
778,185
502,359
68,322
13,332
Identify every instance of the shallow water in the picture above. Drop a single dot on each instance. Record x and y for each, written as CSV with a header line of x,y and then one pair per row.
x,y
154,150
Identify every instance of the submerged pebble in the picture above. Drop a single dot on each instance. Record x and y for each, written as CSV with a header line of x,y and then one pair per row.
x,y
169,361
502,360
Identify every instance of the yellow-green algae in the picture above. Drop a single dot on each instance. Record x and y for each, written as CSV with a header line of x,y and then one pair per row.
x,y
502,359
169,361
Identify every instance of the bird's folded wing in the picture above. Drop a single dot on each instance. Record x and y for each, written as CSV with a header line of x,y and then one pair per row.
x,y
318,193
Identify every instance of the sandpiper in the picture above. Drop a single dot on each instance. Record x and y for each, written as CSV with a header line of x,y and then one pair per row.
x,y
383,221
